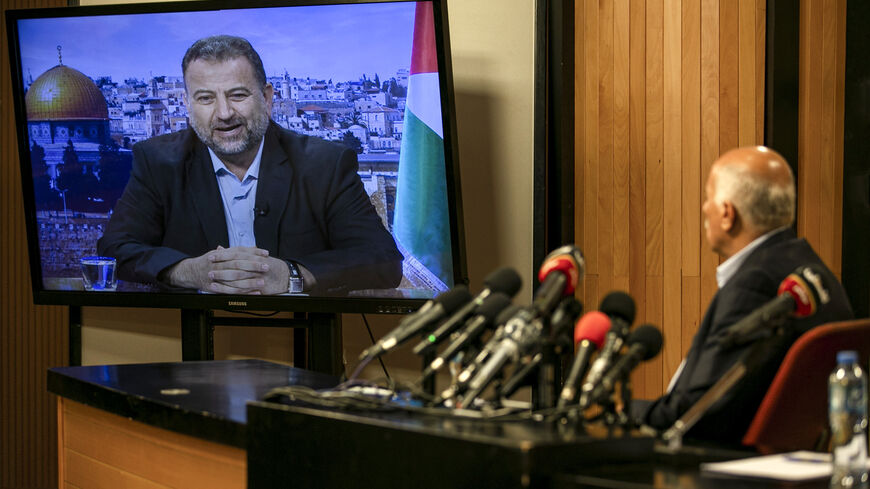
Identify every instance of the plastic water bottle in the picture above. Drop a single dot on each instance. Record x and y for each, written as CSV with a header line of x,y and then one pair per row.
x,y
847,414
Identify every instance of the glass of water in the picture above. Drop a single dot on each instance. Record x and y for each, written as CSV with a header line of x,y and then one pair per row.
x,y
98,273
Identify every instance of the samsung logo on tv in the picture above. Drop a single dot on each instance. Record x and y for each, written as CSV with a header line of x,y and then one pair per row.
x,y
237,303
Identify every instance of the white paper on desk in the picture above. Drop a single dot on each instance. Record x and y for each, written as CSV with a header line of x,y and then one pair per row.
x,y
794,466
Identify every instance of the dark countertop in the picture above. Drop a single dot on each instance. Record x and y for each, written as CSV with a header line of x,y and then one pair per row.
x,y
202,399
399,449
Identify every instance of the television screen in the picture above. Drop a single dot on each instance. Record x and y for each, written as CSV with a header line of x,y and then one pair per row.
x,y
303,159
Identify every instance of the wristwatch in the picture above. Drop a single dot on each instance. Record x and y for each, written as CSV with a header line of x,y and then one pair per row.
x,y
295,284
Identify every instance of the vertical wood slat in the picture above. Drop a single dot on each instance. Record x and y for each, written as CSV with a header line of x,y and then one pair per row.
x,y
828,105
653,245
654,134
709,132
580,124
835,262
746,71
606,195
690,172
590,194
31,338
673,141
760,63
621,143
694,79
810,144
729,82
637,160
820,127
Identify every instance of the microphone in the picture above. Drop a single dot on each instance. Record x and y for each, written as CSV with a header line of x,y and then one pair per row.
x,y
505,280
564,315
800,295
589,335
431,312
644,343
463,378
520,376
620,307
562,319
562,269
472,329
559,275
507,349
261,211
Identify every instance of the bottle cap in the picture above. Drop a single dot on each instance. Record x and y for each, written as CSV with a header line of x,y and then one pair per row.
x,y
847,356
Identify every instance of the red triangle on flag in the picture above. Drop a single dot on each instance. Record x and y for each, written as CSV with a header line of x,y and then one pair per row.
x,y
423,58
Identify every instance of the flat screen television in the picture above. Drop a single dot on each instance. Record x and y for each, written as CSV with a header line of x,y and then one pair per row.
x,y
90,83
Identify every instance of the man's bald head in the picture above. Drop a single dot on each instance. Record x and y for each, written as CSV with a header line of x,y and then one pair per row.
x,y
759,182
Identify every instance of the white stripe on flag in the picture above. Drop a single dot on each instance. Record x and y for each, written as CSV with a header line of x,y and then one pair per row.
x,y
424,100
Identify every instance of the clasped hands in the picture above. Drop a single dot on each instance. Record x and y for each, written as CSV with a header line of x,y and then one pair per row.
x,y
236,270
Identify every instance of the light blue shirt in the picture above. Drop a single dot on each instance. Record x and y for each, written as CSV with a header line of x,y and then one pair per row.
x,y
729,267
238,197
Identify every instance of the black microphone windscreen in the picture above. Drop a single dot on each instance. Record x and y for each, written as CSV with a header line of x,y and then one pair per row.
x,y
505,280
453,298
509,312
618,304
650,337
493,305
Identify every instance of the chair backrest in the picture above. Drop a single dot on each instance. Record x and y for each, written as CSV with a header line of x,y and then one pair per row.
x,y
793,414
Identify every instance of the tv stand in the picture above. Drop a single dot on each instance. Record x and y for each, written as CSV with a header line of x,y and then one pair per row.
x,y
316,337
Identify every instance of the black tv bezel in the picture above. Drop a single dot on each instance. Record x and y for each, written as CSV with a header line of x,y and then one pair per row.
x,y
193,300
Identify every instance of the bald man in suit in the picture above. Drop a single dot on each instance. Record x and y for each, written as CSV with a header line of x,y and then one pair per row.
x,y
748,213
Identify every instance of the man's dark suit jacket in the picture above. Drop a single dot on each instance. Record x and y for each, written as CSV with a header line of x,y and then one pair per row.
x,y
314,211
754,284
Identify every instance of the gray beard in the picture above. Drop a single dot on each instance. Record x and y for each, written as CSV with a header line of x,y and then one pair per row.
x,y
255,130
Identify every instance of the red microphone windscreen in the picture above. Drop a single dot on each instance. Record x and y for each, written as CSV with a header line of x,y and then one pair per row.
x,y
593,326
805,303
562,264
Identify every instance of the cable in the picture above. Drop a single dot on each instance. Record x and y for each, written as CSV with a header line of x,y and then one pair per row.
x,y
384,367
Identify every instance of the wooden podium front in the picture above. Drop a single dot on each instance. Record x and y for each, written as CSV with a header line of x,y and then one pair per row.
x,y
100,450
161,425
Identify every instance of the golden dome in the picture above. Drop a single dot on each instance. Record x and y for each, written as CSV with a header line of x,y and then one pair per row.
x,y
63,93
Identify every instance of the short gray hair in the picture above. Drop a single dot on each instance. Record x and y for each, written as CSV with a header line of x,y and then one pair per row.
x,y
765,204
222,48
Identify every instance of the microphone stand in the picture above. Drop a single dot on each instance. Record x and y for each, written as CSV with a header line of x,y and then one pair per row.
x,y
625,392
545,390
673,436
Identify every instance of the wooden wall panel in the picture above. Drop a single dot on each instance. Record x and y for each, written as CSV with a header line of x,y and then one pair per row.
x,y
820,114
637,147
32,338
695,89
710,125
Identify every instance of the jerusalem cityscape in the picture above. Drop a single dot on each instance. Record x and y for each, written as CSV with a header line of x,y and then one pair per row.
x,y
82,128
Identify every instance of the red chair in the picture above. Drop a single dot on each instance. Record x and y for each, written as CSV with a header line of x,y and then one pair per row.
x,y
794,413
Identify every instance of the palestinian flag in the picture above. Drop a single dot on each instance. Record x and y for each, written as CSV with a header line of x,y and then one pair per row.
x,y
421,223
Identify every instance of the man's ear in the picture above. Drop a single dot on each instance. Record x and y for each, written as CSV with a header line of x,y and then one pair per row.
x,y
268,93
728,220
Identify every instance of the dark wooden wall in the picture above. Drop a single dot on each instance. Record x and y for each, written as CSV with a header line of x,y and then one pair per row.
x,y
32,338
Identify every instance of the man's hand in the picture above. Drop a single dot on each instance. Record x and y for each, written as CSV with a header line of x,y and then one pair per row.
x,y
238,270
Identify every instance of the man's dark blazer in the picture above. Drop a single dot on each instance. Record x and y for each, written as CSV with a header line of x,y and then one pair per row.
x,y
755,283
313,210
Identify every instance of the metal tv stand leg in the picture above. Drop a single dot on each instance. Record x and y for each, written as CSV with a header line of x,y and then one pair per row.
x,y
317,337
197,335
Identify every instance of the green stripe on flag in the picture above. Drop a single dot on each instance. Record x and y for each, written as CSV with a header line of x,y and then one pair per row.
x,y
421,222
